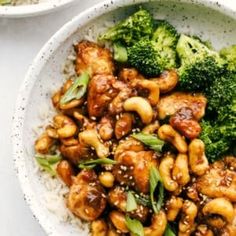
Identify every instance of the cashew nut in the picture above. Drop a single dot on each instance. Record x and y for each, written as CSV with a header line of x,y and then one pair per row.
x,y
158,226
106,179
173,207
189,213
165,169
152,86
167,81
220,206
151,128
99,228
141,106
197,158
118,220
65,126
180,171
65,171
90,138
167,133
43,144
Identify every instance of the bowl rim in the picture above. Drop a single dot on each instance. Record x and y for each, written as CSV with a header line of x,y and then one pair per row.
x,y
38,63
32,10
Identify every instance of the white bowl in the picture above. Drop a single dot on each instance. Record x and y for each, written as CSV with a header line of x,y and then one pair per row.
x,y
208,19
33,9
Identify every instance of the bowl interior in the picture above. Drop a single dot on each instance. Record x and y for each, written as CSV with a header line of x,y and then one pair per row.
x,y
34,105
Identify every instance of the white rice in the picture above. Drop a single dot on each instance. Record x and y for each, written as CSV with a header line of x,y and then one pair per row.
x,y
55,192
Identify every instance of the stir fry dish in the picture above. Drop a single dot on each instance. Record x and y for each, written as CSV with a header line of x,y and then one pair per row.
x,y
144,136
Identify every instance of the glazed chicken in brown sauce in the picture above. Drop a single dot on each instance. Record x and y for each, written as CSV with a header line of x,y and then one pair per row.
x,y
115,173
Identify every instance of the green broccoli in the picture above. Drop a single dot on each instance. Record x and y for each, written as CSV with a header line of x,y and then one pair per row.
x,y
216,144
200,66
166,38
222,95
130,30
219,135
151,57
145,57
229,54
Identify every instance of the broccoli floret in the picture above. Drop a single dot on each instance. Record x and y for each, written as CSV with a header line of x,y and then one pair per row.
x,y
130,30
229,54
151,57
144,56
222,96
200,66
166,38
216,145
220,136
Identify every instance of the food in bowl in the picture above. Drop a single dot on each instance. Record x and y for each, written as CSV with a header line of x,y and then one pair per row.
x,y
144,134
18,2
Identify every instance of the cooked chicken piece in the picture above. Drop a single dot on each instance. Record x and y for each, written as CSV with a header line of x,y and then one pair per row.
x,y
94,59
129,144
75,153
100,93
43,144
117,197
124,125
167,81
116,106
219,181
184,121
66,172
133,169
129,75
203,230
87,198
170,104
106,128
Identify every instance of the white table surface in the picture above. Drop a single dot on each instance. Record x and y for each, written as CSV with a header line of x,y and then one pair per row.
x,y
20,40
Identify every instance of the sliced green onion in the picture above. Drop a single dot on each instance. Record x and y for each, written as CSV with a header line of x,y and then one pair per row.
x,y
134,226
131,204
169,231
77,89
152,141
154,180
93,163
46,162
145,201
